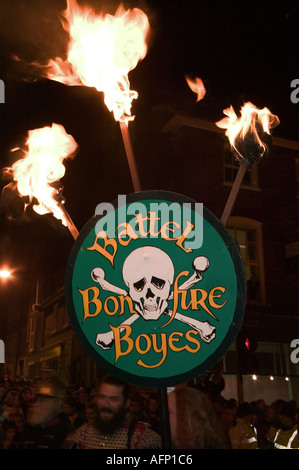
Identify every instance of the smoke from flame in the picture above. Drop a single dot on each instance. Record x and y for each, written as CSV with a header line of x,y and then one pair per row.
x,y
102,50
41,166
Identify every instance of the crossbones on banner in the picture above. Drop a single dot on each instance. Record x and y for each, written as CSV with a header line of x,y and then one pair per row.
x,y
148,272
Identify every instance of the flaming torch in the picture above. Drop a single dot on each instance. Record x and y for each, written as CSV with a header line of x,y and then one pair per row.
x,y
102,50
250,139
38,173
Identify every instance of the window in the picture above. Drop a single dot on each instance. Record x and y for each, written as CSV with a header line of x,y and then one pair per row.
x,y
51,321
50,325
62,318
248,234
231,167
36,326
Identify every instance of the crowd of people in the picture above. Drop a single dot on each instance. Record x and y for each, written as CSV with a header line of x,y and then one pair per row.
x,y
44,413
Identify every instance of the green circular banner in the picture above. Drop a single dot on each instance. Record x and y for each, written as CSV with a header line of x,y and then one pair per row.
x,y
155,288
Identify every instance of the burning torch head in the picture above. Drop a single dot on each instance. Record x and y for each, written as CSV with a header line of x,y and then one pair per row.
x,y
248,150
250,133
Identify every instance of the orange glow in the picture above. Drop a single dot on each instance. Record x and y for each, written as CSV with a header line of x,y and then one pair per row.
x,y
197,86
102,50
5,273
250,122
41,166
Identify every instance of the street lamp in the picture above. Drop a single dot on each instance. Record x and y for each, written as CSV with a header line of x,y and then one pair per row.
x,y
5,274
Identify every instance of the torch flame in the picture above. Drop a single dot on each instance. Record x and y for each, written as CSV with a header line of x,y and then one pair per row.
x,y
41,166
252,122
101,52
197,87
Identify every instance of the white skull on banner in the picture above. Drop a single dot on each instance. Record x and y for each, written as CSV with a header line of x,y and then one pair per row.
x,y
149,272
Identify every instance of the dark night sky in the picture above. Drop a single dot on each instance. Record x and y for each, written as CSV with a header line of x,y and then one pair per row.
x,y
243,51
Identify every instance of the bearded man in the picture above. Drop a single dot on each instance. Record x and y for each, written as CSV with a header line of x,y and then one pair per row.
x,y
114,428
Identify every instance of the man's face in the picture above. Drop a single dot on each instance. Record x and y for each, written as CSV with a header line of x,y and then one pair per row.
x,y
285,421
41,411
152,405
90,414
228,415
111,407
13,399
134,407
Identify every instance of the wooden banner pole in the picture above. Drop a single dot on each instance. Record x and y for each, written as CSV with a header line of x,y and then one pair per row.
x,y
165,425
130,156
233,194
70,224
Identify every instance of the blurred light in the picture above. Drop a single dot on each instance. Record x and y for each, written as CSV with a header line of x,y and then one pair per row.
x,y
254,377
5,273
271,377
286,379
